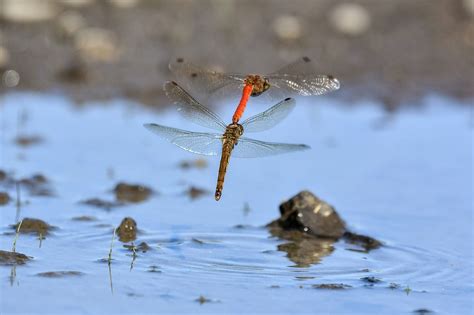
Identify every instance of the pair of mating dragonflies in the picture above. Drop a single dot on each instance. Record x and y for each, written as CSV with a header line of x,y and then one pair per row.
x,y
292,80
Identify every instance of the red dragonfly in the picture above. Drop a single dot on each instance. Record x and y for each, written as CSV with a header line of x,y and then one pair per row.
x,y
229,140
294,79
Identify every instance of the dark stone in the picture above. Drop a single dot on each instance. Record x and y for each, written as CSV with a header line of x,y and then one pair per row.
x,y
371,279
127,230
422,311
12,258
132,193
4,198
307,213
84,218
366,242
195,192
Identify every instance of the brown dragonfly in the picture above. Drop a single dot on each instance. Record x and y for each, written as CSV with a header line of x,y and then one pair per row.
x,y
229,140
297,78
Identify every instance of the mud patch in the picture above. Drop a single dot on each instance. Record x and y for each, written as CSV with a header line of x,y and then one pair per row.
x,y
132,193
59,274
36,226
13,258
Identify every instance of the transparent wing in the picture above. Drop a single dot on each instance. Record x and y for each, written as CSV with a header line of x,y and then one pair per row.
x,y
191,109
301,84
206,82
250,148
270,117
303,65
196,142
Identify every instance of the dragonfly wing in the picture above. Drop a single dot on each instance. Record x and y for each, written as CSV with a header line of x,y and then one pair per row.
x,y
196,142
302,84
250,148
204,81
191,109
303,65
269,118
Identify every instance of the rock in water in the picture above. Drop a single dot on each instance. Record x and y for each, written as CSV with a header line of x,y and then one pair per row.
x,y
308,213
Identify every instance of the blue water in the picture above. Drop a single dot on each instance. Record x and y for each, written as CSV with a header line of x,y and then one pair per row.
x,y
405,179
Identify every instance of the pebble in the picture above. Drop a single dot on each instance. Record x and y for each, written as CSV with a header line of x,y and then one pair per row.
x,y
69,22
28,10
4,57
287,27
96,44
350,19
10,78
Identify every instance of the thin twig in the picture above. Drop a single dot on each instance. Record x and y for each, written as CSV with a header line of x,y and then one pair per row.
x,y
16,235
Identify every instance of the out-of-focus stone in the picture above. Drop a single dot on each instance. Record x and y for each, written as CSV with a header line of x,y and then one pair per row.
x,y
4,57
132,193
468,6
10,78
77,3
37,226
350,19
69,23
307,213
96,44
28,10
287,27
124,4
4,198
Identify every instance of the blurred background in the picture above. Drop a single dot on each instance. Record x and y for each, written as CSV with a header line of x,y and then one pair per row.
x,y
391,51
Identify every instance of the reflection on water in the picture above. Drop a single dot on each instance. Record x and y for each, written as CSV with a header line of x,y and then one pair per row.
x,y
394,183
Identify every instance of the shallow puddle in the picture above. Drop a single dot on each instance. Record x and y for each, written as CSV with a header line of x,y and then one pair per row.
x,y
405,179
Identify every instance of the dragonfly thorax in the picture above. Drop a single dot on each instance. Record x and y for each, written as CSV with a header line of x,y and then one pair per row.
x,y
260,84
233,132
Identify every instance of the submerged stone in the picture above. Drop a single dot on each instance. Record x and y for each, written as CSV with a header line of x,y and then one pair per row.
x,y
127,230
332,286
132,193
12,258
59,274
102,204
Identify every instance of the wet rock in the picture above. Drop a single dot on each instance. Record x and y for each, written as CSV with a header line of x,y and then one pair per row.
x,y
195,192
371,280
331,286
350,19
127,230
132,193
287,27
307,213
28,140
59,274
102,204
4,198
12,258
197,163
29,225
26,11
84,218
366,242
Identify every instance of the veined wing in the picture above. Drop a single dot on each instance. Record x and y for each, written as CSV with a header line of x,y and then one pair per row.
x,y
303,65
250,148
205,81
196,142
191,109
302,84
269,118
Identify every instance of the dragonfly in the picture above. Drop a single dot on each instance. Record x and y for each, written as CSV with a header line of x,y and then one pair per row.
x,y
297,78
228,141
